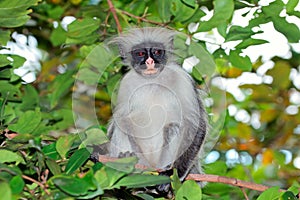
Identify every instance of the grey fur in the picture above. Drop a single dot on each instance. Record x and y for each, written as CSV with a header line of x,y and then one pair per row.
x,y
160,119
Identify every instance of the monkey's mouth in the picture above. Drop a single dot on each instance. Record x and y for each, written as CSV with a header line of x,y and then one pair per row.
x,y
150,71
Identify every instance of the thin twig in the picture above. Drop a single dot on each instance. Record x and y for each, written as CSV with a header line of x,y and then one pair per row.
x,y
244,192
38,183
145,20
106,23
113,11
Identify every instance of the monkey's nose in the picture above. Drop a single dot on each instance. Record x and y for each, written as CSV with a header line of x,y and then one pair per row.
x,y
149,61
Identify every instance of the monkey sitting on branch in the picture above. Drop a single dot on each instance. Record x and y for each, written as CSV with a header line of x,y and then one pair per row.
x,y
159,116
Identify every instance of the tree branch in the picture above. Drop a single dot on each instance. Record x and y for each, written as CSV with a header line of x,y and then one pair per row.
x,y
113,11
229,181
207,177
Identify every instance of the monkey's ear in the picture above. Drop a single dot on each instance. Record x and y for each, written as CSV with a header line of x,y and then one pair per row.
x,y
122,51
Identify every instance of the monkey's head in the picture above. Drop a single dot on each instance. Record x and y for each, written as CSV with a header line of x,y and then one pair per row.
x,y
147,50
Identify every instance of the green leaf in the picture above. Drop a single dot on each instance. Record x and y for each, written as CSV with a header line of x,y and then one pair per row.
x,y
84,188
9,91
77,160
60,87
190,3
27,122
18,61
10,22
63,117
270,194
58,36
197,75
107,177
288,195
145,196
250,42
163,8
90,39
91,65
141,180
112,83
55,12
50,151
222,28
88,76
176,183
83,31
180,47
123,164
290,6
100,51
223,10
181,11
5,191
83,27
3,60
16,184
30,98
189,190
93,186
53,166
243,63
14,13
4,37
64,144
196,17
217,168
13,170
273,9
71,185
290,30
95,136
7,156
6,73
238,33
294,188
206,66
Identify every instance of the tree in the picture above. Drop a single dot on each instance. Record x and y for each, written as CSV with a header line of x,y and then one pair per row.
x,y
50,68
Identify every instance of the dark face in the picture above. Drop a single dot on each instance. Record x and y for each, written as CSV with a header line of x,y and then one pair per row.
x,y
148,59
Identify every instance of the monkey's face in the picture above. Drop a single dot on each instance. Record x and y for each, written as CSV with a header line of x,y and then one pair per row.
x,y
148,60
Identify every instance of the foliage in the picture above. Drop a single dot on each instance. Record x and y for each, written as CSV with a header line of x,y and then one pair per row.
x,y
45,145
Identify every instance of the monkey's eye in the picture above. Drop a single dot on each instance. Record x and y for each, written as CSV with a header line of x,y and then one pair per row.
x,y
140,53
157,52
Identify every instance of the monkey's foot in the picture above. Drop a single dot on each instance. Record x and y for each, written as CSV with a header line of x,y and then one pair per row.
x,y
126,154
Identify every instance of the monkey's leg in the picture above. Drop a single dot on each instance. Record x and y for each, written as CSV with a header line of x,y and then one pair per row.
x,y
171,132
187,160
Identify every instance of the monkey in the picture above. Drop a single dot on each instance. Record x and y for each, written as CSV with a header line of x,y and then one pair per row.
x,y
159,116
